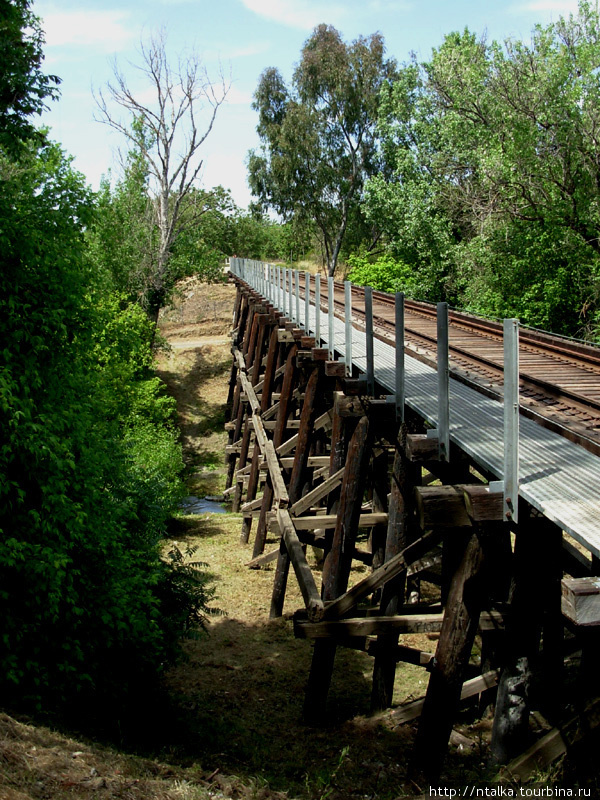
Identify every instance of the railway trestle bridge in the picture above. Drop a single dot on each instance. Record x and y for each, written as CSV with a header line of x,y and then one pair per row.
x,y
460,461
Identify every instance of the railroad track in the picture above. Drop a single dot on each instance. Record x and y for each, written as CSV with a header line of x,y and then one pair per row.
x,y
559,377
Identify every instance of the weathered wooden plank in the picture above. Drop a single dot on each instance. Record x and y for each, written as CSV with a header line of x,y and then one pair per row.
x,y
408,655
554,744
420,447
277,374
581,600
318,493
329,521
248,390
442,506
252,505
287,389
324,421
263,559
412,710
295,489
482,504
271,425
306,582
369,626
335,369
401,531
389,570
453,650
268,450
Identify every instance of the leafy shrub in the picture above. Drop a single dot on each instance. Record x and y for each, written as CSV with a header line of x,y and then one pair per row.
x,y
90,460
385,274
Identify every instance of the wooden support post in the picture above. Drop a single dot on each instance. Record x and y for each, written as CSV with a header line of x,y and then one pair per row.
x,y
243,321
524,620
336,571
236,435
381,489
233,377
263,319
452,654
265,401
307,419
338,561
239,486
287,390
550,570
295,552
401,531
250,333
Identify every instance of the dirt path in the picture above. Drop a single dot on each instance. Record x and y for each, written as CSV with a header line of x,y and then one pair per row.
x,y
195,343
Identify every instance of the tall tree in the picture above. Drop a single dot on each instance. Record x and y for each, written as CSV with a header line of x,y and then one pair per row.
x,y
319,135
494,149
24,88
169,134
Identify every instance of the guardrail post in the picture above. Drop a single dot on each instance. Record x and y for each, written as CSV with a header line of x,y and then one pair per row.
x,y
330,318
318,310
400,372
307,303
279,290
369,340
297,274
443,382
442,432
348,325
510,485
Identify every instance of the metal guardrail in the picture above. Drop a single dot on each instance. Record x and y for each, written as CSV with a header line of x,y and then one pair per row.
x,y
281,286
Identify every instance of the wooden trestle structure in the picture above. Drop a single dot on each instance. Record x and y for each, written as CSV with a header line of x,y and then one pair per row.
x,y
316,460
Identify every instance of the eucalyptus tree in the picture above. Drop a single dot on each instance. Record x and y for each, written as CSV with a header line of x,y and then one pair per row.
x,y
318,136
168,131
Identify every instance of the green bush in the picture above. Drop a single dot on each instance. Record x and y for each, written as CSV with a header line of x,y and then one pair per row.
x,y
385,274
90,460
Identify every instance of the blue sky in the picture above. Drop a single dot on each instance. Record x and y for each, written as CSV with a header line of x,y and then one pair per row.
x,y
241,38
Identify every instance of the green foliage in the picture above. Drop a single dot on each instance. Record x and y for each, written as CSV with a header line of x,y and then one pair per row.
x,y
384,274
490,187
89,458
318,137
90,461
23,86
184,592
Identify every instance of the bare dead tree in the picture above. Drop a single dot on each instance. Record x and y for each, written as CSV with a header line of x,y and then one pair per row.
x,y
171,128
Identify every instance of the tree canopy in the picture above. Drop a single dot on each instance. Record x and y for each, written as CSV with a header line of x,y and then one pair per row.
x,y
24,87
493,151
318,136
90,460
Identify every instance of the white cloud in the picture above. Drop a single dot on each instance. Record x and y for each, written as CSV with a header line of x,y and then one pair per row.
x,y
237,97
388,6
106,30
303,14
560,7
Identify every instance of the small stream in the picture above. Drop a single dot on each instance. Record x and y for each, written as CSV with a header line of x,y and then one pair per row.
x,y
202,505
